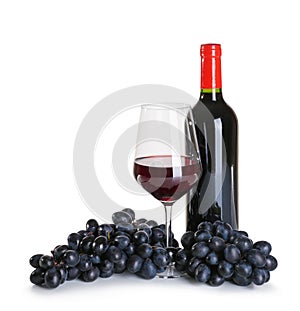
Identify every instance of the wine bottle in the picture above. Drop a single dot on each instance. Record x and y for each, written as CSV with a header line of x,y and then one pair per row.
x,y
216,196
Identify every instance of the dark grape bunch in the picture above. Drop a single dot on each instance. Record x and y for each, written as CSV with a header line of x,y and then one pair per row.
x,y
216,253
128,244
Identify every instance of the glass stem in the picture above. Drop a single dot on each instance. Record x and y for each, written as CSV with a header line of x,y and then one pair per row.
x,y
168,217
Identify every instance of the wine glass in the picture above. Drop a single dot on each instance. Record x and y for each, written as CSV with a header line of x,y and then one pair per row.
x,y
167,161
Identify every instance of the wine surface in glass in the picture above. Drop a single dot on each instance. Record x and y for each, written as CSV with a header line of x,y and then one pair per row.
x,y
166,177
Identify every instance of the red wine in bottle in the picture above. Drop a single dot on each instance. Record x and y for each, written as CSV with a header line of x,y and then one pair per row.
x,y
165,177
217,133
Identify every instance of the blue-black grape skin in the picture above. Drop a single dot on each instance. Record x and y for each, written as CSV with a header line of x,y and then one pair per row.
x,y
243,243
215,279
158,235
205,225
125,227
232,254
52,278
74,240
160,257
225,269
192,265
216,244
100,245
148,270
46,262
271,263
130,249
121,217
91,275
202,273
134,263
91,225
256,258
122,241
222,231
258,276
144,250
200,250
86,244
120,266
113,254
182,257
37,276
63,273
264,246
71,258
187,240
106,266
243,268
130,212
140,237
34,260
212,259
241,281
59,251
202,235
73,273
85,263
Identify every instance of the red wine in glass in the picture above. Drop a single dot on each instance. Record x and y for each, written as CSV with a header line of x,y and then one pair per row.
x,y
167,160
166,177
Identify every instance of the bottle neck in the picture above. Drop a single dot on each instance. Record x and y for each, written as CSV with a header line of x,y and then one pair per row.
x,y
211,78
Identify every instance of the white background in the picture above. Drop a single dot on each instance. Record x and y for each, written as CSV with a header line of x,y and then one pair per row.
x,y
59,58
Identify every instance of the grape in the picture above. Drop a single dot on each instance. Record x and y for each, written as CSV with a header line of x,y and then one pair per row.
x,y
243,243
182,257
240,280
205,225
212,254
71,258
46,262
243,268
52,278
160,257
61,269
232,254
256,258
125,227
130,212
134,263
264,246
216,279
187,240
158,235
120,266
258,276
59,251
202,235
271,263
106,230
216,244
91,225
34,260
192,265
119,217
140,237
144,250
212,259
73,273
225,269
91,275
74,241
85,263
113,254
86,244
151,223
200,250
202,273
122,241
37,276
100,245
148,270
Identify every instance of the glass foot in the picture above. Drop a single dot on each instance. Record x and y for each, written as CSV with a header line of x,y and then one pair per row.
x,y
170,273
